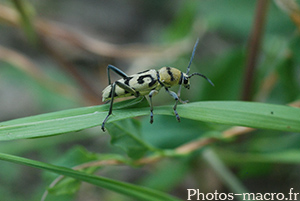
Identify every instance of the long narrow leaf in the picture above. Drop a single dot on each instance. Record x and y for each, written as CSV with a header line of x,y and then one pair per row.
x,y
138,192
249,114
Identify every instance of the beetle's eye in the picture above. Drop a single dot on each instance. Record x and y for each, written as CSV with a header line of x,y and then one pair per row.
x,y
185,81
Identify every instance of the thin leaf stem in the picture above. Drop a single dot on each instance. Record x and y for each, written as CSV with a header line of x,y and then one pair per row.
x,y
254,47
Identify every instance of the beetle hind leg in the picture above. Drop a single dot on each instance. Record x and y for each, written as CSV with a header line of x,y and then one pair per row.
x,y
113,93
116,70
113,89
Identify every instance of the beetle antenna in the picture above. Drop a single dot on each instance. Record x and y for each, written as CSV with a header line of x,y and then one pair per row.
x,y
203,77
192,57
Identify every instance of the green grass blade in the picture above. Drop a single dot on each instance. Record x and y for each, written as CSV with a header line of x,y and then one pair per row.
x,y
138,192
26,16
231,181
290,156
236,113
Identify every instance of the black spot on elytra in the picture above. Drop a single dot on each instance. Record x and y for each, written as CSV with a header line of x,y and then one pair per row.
x,y
126,80
145,71
140,80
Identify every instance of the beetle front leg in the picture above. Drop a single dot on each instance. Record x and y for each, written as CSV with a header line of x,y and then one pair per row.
x,y
174,95
183,101
178,94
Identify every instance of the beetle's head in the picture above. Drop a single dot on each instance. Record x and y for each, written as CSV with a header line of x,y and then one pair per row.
x,y
185,81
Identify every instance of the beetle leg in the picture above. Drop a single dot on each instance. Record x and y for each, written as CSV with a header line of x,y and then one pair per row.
x,y
178,96
174,95
110,106
153,92
116,70
127,88
113,89
179,91
183,101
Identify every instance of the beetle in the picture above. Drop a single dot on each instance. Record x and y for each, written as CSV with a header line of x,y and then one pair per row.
x,y
148,82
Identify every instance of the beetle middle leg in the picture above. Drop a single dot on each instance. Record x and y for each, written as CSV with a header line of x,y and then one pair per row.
x,y
153,92
113,93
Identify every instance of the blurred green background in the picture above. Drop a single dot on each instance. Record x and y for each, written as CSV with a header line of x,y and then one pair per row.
x,y
62,65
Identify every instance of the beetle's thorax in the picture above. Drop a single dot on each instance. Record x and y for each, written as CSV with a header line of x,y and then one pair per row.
x,y
169,76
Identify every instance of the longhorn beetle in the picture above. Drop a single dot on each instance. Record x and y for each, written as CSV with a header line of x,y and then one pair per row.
x,y
148,82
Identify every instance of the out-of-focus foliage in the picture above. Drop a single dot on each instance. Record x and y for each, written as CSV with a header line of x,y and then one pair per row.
x,y
53,57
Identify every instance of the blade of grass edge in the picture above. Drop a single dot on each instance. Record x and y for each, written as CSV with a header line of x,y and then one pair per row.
x,y
235,113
